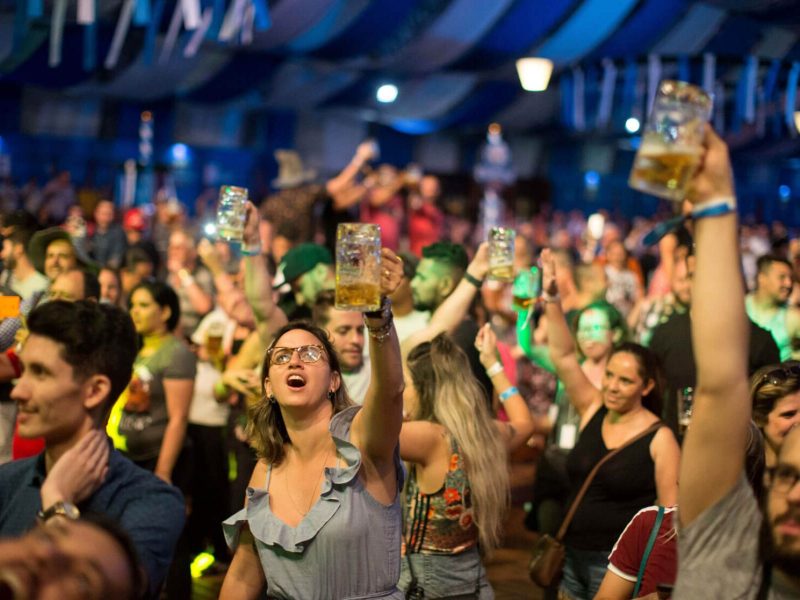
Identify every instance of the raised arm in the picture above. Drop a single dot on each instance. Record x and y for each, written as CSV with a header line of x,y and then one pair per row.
x,y
345,179
520,425
376,428
582,394
229,298
257,281
714,448
454,308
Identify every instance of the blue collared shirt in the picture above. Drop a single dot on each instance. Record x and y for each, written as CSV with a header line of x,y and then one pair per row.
x,y
149,510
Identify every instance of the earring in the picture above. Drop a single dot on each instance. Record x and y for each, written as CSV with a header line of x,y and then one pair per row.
x,y
272,399
331,395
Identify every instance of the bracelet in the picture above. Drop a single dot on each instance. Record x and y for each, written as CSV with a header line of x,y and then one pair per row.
x,y
382,331
251,249
548,298
508,393
715,207
494,369
473,280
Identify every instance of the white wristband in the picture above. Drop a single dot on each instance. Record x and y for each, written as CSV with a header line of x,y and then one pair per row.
x,y
494,369
551,297
720,205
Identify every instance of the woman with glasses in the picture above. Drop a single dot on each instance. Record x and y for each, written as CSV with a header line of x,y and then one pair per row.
x,y
624,407
322,518
776,404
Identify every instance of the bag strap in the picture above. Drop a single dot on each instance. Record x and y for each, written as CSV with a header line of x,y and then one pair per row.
x,y
587,482
650,543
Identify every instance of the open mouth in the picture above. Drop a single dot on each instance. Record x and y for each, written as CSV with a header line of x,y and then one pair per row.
x,y
295,382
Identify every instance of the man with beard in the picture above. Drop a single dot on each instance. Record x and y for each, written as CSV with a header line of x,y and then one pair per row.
x,y
720,549
769,304
346,330
20,275
442,266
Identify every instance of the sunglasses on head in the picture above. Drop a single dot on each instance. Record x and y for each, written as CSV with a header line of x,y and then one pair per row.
x,y
778,375
282,355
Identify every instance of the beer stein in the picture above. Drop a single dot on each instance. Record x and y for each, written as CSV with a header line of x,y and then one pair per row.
x,y
358,266
672,141
231,213
526,289
501,254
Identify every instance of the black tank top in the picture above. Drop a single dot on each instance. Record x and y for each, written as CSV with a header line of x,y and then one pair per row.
x,y
623,485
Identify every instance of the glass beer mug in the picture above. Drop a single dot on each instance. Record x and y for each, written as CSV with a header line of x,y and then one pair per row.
x,y
231,213
358,266
672,141
501,254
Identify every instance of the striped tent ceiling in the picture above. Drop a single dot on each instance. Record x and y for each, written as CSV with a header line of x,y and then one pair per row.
x,y
453,60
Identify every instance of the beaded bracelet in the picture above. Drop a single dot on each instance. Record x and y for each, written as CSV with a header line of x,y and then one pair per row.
x,y
382,331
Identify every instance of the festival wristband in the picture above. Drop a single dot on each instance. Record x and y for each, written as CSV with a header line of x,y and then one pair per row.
x,y
548,298
715,207
251,249
508,393
494,369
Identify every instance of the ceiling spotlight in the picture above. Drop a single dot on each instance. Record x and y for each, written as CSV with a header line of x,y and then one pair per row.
x,y
534,73
386,93
632,125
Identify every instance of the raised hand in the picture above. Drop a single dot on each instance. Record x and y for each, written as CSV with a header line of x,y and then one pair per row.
x,y
391,272
252,221
486,344
549,285
714,177
479,265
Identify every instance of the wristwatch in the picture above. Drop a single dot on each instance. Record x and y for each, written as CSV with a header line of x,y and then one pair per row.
x,y
60,508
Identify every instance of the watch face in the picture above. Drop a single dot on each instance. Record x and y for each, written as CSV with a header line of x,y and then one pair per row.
x,y
69,510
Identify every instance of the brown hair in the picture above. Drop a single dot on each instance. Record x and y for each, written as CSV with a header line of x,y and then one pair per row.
x,y
771,383
265,427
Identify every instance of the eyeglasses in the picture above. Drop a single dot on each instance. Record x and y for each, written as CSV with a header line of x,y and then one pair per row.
x,y
778,375
309,354
783,478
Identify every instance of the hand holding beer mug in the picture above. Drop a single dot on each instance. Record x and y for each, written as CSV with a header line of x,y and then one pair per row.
x,y
231,213
672,141
358,266
501,254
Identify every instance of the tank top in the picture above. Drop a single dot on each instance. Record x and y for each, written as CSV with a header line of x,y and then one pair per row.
x,y
346,547
623,486
776,325
442,522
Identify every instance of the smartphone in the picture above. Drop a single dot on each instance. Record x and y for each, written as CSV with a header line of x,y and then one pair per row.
x,y
9,307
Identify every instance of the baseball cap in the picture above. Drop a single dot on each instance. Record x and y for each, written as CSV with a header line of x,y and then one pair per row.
x,y
134,220
300,260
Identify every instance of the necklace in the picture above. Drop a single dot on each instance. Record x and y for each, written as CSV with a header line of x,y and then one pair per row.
x,y
313,493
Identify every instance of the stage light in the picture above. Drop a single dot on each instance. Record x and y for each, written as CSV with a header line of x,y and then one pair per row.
x,y
632,125
179,153
387,93
785,193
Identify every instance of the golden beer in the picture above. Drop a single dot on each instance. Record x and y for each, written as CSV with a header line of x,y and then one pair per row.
x,y
522,303
358,266
501,253
503,272
358,296
664,171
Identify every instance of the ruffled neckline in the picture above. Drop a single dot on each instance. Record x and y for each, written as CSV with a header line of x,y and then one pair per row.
x,y
267,528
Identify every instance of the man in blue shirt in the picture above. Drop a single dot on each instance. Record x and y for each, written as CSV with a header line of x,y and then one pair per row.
x,y
76,362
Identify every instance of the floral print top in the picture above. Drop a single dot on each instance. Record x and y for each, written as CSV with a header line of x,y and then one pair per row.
x,y
442,522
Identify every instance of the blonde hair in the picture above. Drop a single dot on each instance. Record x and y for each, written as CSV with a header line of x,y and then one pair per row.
x,y
450,395
265,428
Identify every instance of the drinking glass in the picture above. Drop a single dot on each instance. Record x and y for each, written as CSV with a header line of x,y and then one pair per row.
x,y
672,141
231,213
526,289
685,407
501,254
358,266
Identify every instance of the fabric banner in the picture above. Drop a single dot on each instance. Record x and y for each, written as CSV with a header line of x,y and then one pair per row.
x,y
57,32
579,99
709,72
607,93
86,12
653,79
120,33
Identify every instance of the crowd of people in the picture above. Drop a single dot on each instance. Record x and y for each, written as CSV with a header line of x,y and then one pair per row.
x,y
164,394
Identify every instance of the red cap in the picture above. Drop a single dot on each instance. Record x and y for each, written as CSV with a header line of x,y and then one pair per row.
x,y
133,219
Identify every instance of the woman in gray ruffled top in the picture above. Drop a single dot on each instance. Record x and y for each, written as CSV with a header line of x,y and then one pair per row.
x,y
322,516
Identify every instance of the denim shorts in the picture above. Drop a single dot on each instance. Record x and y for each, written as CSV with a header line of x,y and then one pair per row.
x,y
452,576
583,572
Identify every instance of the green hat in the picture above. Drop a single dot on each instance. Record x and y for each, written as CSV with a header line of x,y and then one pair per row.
x,y
300,260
